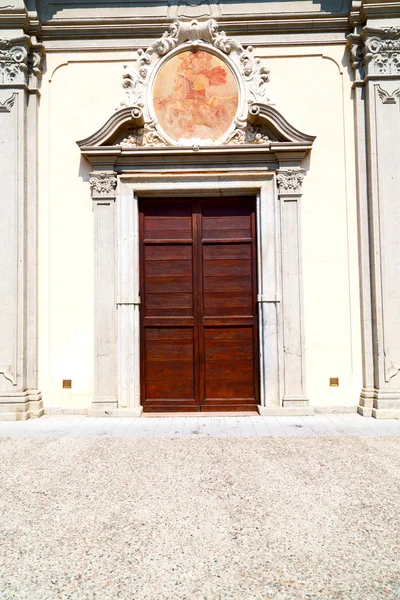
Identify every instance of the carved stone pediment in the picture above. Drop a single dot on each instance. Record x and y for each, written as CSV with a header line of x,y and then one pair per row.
x,y
264,126
195,87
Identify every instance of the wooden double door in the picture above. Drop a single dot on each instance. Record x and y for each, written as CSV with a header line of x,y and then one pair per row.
x,y
199,341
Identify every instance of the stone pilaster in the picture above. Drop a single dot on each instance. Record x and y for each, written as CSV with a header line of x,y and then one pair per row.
x,y
104,190
376,61
289,181
20,71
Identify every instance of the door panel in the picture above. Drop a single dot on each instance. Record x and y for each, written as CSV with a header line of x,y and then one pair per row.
x,y
167,312
198,313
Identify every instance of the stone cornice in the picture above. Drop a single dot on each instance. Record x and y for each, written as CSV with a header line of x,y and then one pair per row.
x,y
362,10
129,28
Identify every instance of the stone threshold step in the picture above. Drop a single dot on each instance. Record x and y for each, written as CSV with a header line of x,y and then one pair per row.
x,y
149,415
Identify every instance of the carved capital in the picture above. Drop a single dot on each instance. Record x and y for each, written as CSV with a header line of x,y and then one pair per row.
x,y
103,185
20,61
382,51
376,51
13,60
290,182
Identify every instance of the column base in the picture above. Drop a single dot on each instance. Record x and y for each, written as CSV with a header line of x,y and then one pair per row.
x,y
20,406
386,405
366,402
285,411
295,401
108,407
115,412
292,406
104,404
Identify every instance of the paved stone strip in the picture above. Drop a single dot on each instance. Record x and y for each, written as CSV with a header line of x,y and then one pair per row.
x,y
59,426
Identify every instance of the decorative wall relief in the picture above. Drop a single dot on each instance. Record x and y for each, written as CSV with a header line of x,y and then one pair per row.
x,y
386,97
142,136
195,85
249,134
8,375
6,106
196,9
391,370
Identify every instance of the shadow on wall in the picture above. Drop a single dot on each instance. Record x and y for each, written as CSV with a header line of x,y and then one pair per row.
x,y
84,169
172,9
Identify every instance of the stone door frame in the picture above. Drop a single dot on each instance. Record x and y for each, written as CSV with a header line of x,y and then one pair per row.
x,y
279,293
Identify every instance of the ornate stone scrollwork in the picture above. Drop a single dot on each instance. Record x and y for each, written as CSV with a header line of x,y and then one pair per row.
x,y
137,123
356,47
35,64
13,61
249,134
255,75
103,185
143,136
290,181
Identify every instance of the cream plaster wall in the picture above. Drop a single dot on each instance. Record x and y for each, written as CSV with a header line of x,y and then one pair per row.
x,y
313,92
79,93
311,87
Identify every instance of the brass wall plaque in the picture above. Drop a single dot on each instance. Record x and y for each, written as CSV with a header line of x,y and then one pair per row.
x,y
67,384
334,381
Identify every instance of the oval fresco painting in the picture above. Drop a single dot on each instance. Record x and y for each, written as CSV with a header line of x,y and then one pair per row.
x,y
195,95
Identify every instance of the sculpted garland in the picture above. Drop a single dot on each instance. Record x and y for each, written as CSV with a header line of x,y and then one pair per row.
x,y
194,86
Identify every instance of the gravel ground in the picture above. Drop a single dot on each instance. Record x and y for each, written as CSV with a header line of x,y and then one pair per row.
x,y
271,518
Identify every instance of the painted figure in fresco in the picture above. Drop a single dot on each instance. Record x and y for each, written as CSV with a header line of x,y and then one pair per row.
x,y
196,97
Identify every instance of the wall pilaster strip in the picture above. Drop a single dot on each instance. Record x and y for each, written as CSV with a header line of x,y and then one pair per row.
x,y
376,54
20,71
268,299
104,190
289,182
128,302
